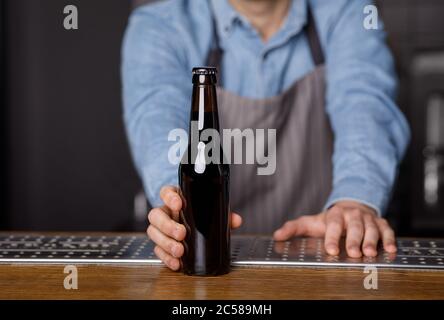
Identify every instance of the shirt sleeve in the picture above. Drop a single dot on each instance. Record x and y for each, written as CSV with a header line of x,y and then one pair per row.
x,y
371,134
156,95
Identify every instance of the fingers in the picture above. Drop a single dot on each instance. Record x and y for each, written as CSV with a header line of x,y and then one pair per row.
x,y
236,220
359,223
163,222
288,230
387,235
333,232
169,245
170,262
292,228
355,234
170,196
371,237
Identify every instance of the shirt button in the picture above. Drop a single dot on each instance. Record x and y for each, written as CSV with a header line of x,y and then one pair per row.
x,y
265,55
227,31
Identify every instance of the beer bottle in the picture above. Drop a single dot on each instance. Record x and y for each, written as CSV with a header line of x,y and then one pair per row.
x,y
204,184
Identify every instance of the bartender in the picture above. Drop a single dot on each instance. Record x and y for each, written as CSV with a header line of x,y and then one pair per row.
x,y
307,68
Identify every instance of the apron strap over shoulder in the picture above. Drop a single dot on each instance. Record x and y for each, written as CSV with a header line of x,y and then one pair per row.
x,y
313,39
214,57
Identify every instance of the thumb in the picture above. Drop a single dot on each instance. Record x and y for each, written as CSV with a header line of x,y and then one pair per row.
x,y
298,227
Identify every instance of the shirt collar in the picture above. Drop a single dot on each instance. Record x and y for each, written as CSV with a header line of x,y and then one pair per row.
x,y
226,17
297,17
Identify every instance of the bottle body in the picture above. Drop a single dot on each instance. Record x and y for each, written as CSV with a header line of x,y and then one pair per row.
x,y
206,219
204,187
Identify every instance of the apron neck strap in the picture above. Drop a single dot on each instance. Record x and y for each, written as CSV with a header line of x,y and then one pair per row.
x,y
313,39
214,57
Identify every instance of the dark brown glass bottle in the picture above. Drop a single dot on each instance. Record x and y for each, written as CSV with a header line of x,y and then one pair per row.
x,y
204,185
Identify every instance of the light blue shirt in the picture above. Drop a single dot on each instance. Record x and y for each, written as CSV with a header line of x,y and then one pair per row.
x,y
165,40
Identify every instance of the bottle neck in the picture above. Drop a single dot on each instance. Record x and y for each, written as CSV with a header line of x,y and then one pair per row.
x,y
204,112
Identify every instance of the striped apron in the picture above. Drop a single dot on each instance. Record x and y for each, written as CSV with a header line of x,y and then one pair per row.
x,y
304,146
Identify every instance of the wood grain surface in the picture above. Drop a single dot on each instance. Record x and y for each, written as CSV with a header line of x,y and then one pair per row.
x,y
20,281
157,282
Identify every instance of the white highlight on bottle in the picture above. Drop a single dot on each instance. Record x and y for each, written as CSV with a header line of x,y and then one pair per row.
x,y
201,109
199,164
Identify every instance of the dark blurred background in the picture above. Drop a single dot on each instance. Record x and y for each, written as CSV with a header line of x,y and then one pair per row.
x,y
65,161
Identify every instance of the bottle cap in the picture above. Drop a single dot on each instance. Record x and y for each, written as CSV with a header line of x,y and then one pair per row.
x,y
205,71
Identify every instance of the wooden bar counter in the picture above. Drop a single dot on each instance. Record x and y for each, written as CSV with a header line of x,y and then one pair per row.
x,y
105,281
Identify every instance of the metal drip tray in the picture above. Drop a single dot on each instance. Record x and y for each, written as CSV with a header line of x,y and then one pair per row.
x,y
76,249
246,250
423,254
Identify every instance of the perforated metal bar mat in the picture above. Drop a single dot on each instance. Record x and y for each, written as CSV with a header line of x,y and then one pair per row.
x,y
246,250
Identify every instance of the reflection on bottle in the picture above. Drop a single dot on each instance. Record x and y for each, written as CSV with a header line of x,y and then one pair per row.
x,y
199,164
